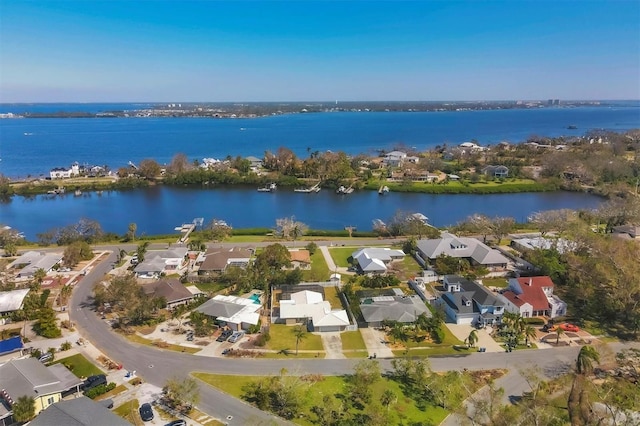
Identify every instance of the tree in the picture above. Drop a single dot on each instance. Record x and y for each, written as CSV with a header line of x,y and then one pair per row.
x,y
142,250
300,333
559,332
179,164
46,324
24,409
218,230
311,247
149,168
387,398
529,334
181,395
131,231
472,339
10,249
289,228
38,278
77,252
65,293
501,226
579,412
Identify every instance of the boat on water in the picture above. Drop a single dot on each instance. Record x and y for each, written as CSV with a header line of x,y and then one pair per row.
x,y
304,190
383,190
572,127
28,133
269,188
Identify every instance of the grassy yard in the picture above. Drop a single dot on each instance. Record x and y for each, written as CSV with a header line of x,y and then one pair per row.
x,y
162,345
319,270
79,365
352,340
210,287
282,337
407,268
129,412
495,282
341,255
404,410
331,295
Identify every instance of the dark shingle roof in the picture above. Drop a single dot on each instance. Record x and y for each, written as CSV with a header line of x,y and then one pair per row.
x,y
78,412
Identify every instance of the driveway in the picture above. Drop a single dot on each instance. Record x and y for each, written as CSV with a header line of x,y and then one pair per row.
x,y
332,345
375,340
461,331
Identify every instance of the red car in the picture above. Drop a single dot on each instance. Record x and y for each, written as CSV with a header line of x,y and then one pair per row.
x,y
570,327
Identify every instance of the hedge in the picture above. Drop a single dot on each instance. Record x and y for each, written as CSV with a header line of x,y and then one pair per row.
x,y
99,390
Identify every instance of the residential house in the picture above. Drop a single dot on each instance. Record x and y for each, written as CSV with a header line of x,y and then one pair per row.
x,y
400,308
394,158
159,262
375,260
255,163
217,260
562,245
627,231
65,173
172,290
476,252
238,313
309,307
29,377
12,300
300,259
467,302
80,411
533,296
31,261
496,171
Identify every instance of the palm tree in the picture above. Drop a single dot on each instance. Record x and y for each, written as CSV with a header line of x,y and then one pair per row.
x,y
559,332
529,333
300,333
578,405
472,339
65,292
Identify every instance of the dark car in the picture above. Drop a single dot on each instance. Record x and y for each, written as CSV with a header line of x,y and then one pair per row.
x,y
93,381
224,335
146,412
178,422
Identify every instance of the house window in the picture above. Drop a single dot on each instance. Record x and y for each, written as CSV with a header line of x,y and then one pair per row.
x,y
50,400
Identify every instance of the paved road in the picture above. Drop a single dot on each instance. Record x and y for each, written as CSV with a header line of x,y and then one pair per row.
x,y
156,366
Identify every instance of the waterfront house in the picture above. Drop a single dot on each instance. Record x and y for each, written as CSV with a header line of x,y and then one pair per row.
x,y
400,308
255,163
496,171
562,245
217,260
159,262
375,260
80,411
476,252
309,307
394,158
65,173
533,296
467,302
237,313
172,290
31,261
29,377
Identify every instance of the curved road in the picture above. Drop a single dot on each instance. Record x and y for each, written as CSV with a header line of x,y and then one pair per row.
x,y
156,366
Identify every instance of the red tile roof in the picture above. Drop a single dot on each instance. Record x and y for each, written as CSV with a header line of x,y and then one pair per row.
x,y
532,293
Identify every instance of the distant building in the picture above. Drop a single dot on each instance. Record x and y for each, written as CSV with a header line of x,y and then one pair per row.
x,y
65,173
496,171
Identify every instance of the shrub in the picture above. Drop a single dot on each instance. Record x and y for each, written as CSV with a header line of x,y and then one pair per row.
x,y
100,390
262,339
65,346
534,321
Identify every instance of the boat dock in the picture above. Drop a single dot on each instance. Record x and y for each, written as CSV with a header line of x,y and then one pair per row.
x,y
315,188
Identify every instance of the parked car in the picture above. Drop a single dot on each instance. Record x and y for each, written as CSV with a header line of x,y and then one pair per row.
x,y
224,335
236,336
146,412
190,337
94,381
570,327
178,422
46,357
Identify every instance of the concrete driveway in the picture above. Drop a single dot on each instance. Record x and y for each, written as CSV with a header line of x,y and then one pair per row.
x,y
332,345
461,331
375,342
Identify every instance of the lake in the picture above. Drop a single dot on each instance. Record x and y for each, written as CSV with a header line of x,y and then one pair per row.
x,y
159,209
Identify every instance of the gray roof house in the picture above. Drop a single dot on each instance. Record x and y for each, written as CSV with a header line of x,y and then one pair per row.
x,y
157,262
467,302
403,309
78,412
237,312
31,261
475,251
12,300
496,171
173,291
219,259
374,260
29,377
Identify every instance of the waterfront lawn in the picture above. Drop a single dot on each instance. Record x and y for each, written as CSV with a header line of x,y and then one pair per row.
x,y
341,255
319,270
79,365
352,340
282,338
404,410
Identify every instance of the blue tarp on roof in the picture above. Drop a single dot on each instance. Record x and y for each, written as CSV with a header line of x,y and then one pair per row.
x,y
10,345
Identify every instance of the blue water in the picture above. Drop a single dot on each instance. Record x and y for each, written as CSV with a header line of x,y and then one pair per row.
x,y
158,210
31,147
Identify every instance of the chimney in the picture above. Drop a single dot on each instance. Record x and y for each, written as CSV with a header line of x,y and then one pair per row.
x,y
530,283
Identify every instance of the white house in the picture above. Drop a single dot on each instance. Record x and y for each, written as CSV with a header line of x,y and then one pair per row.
x,y
310,307
533,296
374,260
62,172
395,158
158,262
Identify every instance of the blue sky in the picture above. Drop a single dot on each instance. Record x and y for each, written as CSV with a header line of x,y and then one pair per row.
x,y
116,51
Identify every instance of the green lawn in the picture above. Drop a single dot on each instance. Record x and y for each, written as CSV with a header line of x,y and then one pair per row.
x,y
331,296
352,340
404,411
282,338
210,287
319,270
341,255
495,282
79,365
129,412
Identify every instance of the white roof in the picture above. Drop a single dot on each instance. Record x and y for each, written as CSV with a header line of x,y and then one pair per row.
x,y
12,300
309,304
373,259
249,314
35,260
306,297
